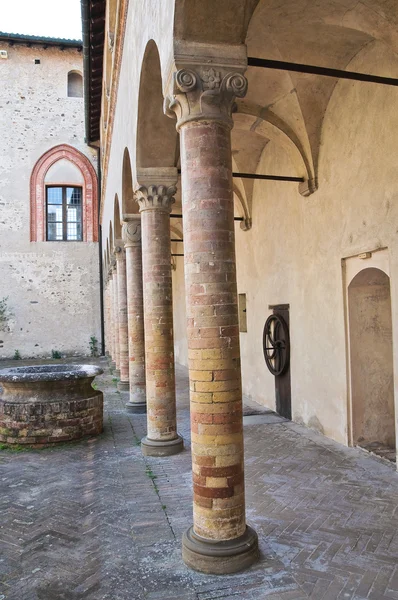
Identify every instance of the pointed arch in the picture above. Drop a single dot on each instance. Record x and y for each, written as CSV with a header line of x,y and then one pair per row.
x,y
117,220
38,192
129,206
111,240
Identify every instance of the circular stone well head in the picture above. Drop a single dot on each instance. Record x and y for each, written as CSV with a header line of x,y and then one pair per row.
x,y
48,373
41,405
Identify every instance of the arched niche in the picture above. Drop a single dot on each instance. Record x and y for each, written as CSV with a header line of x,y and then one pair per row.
x,y
157,138
75,84
371,359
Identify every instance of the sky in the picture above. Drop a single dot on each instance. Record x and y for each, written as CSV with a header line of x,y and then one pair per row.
x,y
50,18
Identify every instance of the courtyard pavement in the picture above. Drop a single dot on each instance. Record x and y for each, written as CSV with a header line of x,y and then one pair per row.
x,y
99,521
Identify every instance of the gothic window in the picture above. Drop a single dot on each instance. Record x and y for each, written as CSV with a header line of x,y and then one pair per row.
x,y
63,197
75,85
64,214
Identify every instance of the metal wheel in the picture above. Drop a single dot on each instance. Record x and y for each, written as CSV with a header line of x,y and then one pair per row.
x,y
276,344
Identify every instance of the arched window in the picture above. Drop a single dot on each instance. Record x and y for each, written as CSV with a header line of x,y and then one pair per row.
x,y
75,85
63,197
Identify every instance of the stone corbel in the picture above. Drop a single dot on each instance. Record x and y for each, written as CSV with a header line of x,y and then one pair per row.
x,y
308,187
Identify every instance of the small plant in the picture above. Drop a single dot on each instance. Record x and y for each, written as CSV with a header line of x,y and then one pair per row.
x,y
93,346
17,355
56,354
94,386
150,473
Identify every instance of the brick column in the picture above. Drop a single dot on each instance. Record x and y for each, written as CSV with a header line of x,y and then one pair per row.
x,y
108,333
115,319
123,384
111,319
155,197
219,541
135,312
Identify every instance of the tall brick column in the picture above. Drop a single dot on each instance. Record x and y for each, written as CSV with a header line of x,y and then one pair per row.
x,y
123,385
135,312
111,320
115,319
155,197
219,541
108,332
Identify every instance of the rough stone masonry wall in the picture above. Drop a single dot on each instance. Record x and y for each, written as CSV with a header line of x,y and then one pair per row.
x,y
51,288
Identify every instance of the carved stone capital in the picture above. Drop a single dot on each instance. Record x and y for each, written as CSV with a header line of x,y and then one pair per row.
x,y
156,189
119,250
205,81
204,95
131,232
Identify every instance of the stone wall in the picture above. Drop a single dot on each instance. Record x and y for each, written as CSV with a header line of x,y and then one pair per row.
x,y
51,289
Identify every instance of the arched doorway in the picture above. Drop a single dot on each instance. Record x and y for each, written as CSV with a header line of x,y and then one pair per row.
x,y
371,360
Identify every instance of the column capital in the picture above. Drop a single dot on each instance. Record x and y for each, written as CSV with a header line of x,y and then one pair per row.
x,y
131,231
119,250
156,188
204,83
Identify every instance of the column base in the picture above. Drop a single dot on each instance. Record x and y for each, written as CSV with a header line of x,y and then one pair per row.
x,y
220,558
136,408
123,386
161,448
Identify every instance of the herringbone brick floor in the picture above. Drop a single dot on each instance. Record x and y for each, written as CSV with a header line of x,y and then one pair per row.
x,y
96,520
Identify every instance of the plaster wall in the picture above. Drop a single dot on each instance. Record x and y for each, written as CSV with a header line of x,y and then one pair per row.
x,y
293,253
51,288
146,20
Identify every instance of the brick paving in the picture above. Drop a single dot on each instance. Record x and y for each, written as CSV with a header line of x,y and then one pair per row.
x,y
97,520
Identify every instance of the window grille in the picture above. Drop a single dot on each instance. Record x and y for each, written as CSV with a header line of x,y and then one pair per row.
x,y
64,214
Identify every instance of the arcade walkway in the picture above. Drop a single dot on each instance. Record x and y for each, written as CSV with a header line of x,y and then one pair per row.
x,y
97,520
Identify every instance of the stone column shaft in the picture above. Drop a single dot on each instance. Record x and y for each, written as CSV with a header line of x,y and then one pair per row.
x,y
111,320
135,314
116,322
106,318
155,204
219,541
123,384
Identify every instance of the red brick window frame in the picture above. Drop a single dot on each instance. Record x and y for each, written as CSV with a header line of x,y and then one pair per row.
x,y
38,192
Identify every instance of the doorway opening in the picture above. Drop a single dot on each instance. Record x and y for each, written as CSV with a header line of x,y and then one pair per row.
x,y
371,362
276,347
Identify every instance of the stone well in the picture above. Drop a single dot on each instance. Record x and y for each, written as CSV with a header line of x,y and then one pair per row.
x,y
47,404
